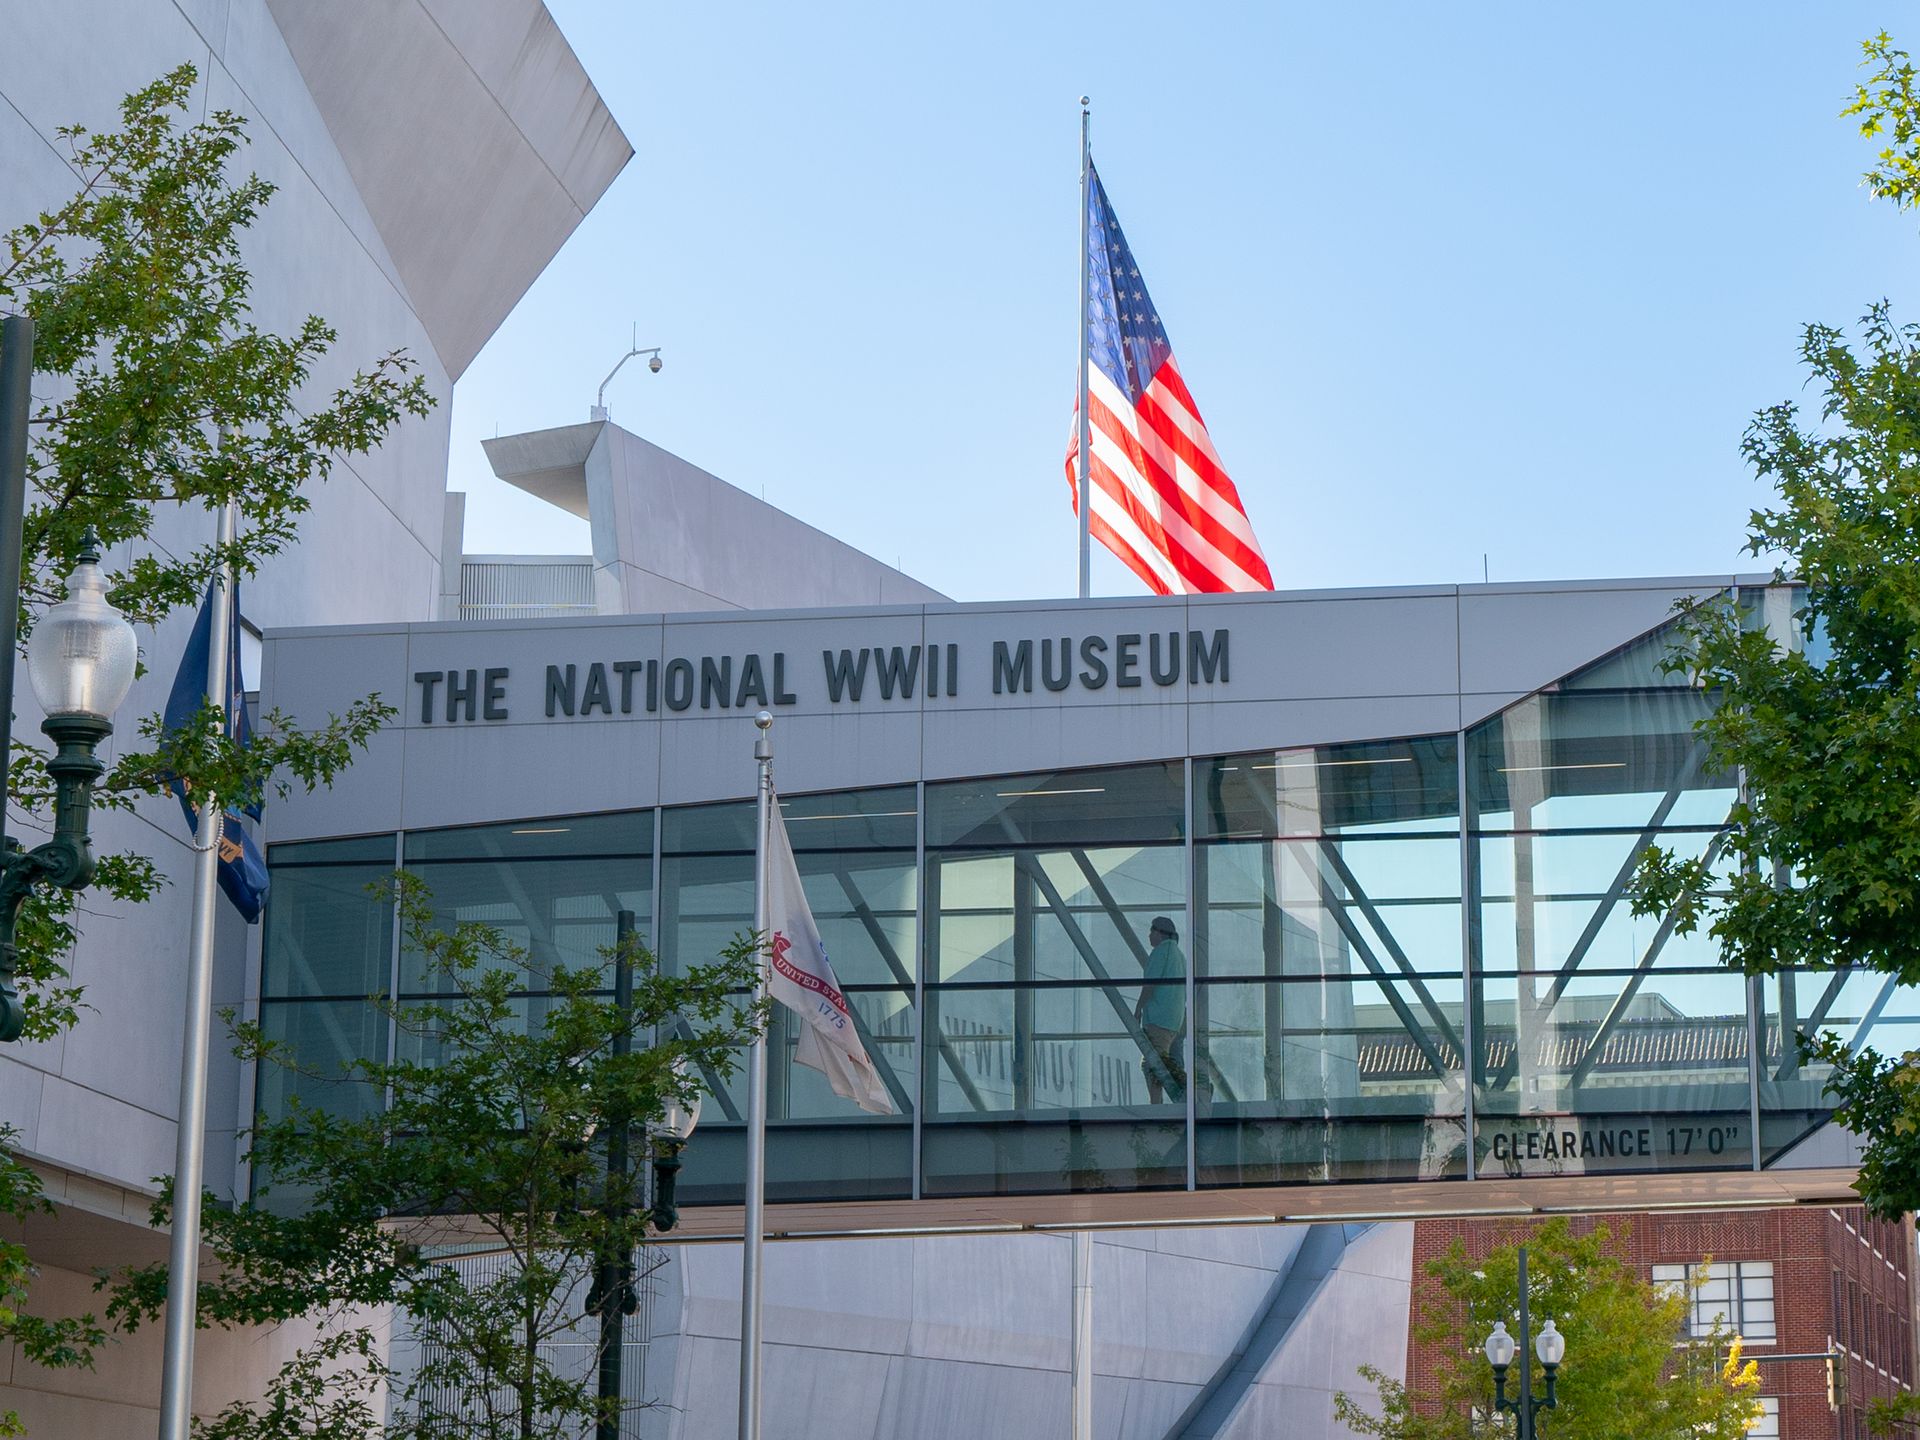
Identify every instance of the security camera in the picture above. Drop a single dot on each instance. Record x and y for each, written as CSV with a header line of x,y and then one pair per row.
x,y
654,364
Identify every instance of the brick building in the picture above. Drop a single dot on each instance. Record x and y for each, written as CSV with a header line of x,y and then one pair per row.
x,y
1790,1281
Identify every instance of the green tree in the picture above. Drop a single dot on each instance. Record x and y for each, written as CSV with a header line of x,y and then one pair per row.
x,y
1824,846
161,393
491,1142
1631,1369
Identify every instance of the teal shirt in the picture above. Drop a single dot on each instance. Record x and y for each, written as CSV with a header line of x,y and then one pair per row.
x,y
1163,993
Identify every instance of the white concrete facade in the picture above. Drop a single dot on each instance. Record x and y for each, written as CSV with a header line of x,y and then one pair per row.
x,y
953,1337
392,132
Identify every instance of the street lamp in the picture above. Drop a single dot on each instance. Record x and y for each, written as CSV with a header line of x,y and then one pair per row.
x,y
81,661
611,1296
1550,1345
670,1137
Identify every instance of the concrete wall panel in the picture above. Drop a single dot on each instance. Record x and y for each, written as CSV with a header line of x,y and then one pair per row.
x,y
1520,637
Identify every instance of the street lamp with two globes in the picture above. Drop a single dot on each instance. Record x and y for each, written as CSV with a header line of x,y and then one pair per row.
x,y
1501,1348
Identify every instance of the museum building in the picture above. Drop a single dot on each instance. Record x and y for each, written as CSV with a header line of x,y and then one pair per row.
x,y
1395,831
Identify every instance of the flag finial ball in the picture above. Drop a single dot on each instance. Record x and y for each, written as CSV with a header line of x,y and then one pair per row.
x,y
1083,102
764,719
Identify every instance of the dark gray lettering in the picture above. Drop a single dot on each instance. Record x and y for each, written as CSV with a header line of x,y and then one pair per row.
x,y
596,692
625,670
845,676
716,681
897,668
1013,669
559,689
1171,673
753,684
493,703
1093,674
1206,661
1126,662
1064,677
426,680
781,695
679,684
953,669
459,694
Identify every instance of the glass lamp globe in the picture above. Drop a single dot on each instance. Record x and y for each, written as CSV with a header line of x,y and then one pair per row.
x,y
677,1120
82,654
1500,1346
1550,1345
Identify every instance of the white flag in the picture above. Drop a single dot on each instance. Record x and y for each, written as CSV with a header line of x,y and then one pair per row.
x,y
800,977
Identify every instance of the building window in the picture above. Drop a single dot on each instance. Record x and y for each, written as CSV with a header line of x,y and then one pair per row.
x,y
1738,1296
1767,1427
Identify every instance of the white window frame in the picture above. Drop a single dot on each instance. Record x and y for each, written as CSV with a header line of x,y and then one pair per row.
x,y
1739,1292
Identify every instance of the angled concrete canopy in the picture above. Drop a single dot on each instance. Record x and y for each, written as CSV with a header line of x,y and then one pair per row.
x,y
669,536
472,133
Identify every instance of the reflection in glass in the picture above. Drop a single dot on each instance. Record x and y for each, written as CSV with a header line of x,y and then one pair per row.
x,y
1591,759
1330,1010
329,931
1860,1009
1057,985
855,851
550,889
322,1040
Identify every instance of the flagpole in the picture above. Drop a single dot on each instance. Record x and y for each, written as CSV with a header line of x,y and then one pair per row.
x,y
1081,1392
755,1228
189,1156
1082,1378
1085,485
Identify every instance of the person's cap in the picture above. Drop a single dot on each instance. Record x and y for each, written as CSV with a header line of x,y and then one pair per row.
x,y
1165,926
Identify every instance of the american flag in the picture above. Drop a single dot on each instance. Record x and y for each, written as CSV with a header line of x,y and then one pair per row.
x,y
1162,500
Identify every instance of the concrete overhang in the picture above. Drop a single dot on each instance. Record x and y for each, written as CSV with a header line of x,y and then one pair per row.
x,y
474,136
551,464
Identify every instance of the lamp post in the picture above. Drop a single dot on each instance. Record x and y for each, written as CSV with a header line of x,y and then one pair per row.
x,y
81,661
1550,1345
612,1295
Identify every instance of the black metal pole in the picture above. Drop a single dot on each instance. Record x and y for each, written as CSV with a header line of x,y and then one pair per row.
x,y
1525,1356
615,1280
16,369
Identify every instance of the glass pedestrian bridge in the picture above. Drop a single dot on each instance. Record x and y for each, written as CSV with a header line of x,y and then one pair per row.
x,y
1408,962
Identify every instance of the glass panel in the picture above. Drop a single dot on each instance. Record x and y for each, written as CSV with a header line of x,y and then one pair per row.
x,y
327,932
322,1038
1864,1010
1585,761
1556,904
365,850
1081,914
1622,1071
1329,907
1381,785
565,836
1637,666
1140,805
860,1159
795,1091
560,912
1058,984
1329,1077
1065,1153
855,852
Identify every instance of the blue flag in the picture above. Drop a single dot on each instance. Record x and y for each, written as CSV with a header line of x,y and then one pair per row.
x,y
243,873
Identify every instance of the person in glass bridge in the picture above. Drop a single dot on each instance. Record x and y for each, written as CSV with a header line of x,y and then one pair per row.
x,y
1162,1011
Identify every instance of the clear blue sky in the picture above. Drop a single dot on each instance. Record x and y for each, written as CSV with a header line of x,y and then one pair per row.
x,y
1444,280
